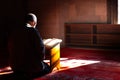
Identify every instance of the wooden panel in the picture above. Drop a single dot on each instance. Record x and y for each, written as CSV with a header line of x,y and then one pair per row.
x,y
108,29
93,35
78,34
79,39
79,28
108,35
108,40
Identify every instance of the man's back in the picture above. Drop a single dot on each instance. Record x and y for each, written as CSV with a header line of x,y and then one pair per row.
x,y
26,51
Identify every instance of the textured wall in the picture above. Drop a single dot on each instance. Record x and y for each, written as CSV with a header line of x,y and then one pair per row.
x,y
53,14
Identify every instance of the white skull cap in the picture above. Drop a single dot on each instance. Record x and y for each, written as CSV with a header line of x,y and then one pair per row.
x,y
34,16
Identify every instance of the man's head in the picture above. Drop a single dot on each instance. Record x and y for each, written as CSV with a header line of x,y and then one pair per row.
x,y
31,19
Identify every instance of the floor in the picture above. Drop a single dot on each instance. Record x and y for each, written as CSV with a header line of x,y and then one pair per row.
x,y
94,59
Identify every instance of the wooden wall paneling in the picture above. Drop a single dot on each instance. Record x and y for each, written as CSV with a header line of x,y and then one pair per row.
x,y
108,40
108,29
97,35
108,34
78,34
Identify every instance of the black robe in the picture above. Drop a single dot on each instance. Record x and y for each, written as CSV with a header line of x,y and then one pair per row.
x,y
26,51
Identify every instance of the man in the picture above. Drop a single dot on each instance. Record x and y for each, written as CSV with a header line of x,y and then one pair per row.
x,y
27,50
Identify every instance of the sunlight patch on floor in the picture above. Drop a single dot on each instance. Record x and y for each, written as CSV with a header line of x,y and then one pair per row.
x,y
6,70
72,63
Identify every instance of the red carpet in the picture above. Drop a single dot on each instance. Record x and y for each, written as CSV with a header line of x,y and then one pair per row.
x,y
86,64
